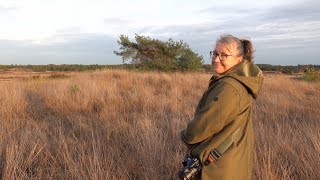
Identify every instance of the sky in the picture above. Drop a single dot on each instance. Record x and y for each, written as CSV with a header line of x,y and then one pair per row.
x,y
283,32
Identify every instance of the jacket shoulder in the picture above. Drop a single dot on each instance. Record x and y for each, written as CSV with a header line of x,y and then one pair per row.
x,y
237,85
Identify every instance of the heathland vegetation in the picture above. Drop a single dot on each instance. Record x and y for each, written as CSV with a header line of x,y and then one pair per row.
x,y
309,72
119,124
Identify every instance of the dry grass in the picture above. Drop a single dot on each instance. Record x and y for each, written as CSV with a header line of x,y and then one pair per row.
x,y
124,125
287,129
24,74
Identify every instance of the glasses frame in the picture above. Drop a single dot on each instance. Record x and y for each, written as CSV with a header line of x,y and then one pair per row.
x,y
222,57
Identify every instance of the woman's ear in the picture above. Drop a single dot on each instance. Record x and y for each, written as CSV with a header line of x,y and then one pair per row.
x,y
239,59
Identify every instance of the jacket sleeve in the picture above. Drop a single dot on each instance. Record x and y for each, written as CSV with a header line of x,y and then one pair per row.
x,y
220,107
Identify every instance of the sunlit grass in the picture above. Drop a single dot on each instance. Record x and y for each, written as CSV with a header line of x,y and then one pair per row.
x,y
124,125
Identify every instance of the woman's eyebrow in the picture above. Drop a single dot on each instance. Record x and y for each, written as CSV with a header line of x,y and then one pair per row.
x,y
220,52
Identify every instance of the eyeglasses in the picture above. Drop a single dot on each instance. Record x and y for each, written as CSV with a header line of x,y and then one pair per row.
x,y
222,56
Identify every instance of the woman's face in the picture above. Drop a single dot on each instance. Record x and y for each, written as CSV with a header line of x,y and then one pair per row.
x,y
225,57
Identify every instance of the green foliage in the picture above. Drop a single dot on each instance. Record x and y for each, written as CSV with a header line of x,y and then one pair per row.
x,y
288,69
312,75
155,54
155,64
53,67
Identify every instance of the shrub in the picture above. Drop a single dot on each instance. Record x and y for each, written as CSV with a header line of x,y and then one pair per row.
x,y
312,75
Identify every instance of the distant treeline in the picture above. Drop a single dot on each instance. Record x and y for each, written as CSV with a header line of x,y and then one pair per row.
x,y
63,67
289,69
206,67
73,67
278,68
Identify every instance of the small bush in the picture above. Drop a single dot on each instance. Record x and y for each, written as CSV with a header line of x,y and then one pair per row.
x,y
57,76
74,88
35,77
312,75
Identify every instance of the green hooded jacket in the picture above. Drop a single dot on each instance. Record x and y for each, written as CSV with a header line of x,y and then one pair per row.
x,y
223,108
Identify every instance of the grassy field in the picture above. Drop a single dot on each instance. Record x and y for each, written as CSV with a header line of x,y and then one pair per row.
x,y
124,125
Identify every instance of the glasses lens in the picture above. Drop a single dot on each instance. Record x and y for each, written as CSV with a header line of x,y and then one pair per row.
x,y
223,56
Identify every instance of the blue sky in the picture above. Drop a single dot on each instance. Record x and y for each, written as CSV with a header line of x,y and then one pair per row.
x,y
285,32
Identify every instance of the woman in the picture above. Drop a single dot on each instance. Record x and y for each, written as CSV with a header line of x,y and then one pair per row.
x,y
221,132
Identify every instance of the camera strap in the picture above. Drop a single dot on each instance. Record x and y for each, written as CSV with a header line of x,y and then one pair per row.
x,y
216,153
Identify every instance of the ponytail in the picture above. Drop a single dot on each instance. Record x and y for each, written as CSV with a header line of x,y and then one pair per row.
x,y
247,49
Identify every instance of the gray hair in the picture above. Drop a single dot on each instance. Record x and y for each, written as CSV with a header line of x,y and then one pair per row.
x,y
243,46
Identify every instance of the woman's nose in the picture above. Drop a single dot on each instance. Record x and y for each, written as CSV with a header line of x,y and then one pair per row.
x,y
215,59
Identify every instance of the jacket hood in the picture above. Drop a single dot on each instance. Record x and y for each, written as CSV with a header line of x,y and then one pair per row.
x,y
248,74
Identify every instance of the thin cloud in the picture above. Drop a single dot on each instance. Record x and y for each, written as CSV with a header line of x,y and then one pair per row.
x,y
4,9
118,21
81,48
274,27
299,11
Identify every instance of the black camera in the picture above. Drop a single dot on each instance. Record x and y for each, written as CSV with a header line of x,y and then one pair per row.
x,y
191,167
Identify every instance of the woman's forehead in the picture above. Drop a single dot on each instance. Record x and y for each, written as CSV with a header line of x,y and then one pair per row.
x,y
223,47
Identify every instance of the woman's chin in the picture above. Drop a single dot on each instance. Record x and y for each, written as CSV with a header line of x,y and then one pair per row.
x,y
218,70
